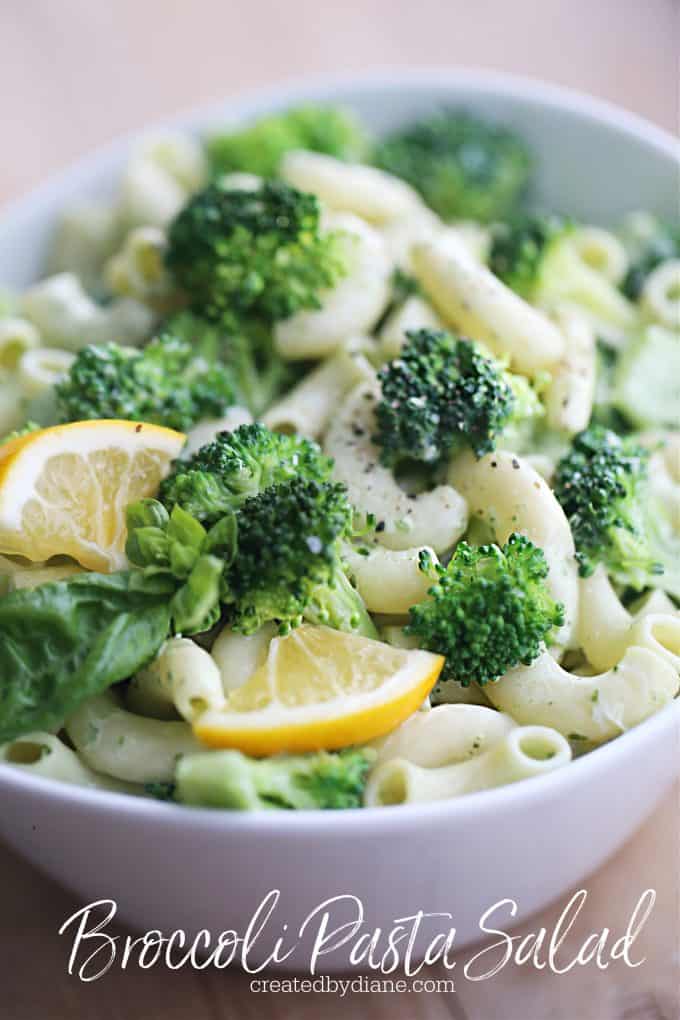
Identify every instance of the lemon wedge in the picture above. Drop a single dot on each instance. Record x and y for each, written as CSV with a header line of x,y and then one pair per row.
x,y
321,688
63,490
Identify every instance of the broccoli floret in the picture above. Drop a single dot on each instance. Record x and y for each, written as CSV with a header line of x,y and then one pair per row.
x,y
518,249
237,465
259,148
166,383
252,254
443,393
463,167
662,245
289,561
602,484
488,610
536,256
230,779
259,373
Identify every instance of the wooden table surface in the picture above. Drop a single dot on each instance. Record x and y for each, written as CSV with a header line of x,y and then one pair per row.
x,y
74,74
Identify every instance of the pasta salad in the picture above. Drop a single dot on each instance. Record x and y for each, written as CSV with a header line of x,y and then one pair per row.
x,y
336,474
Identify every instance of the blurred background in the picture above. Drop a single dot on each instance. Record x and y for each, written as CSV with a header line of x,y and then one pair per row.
x,y
74,74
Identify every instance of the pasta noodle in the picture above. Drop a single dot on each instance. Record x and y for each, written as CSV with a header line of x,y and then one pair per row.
x,y
471,298
206,430
239,655
524,752
436,518
84,238
309,406
43,754
66,316
445,735
415,313
372,194
159,179
41,368
594,708
352,307
16,337
570,393
509,495
182,677
661,294
127,746
137,270
601,250
388,580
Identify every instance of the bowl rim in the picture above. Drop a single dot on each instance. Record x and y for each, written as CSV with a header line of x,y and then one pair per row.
x,y
242,105
531,791
321,87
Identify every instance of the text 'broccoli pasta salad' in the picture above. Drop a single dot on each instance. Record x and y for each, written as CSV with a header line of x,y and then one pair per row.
x,y
335,474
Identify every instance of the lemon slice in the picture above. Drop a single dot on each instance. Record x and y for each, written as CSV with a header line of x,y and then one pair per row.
x,y
320,688
63,490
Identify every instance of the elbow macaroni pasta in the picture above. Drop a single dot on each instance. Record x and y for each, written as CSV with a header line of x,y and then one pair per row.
x,y
239,655
365,191
66,316
388,580
436,518
415,313
43,754
308,407
661,294
524,752
159,179
509,495
445,736
594,708
571,391
206,431
128,746
183,677
471,298
349,309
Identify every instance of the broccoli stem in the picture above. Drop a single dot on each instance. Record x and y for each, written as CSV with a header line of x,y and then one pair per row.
x,y
232,780
341,607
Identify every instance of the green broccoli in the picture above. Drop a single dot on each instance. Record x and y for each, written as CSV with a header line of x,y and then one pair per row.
x,y
488,610
536,256
166,383
259,373
230,779
239,464
442,393
259,147
663,244
289,561
252,254
464,167
602,484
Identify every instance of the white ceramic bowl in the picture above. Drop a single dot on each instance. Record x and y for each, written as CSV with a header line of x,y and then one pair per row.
x,y
171,867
